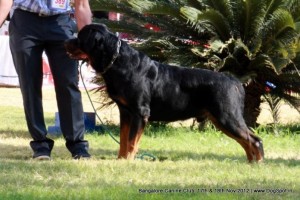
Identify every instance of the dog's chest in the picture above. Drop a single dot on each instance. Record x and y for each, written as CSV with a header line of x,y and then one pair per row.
x,y
118,94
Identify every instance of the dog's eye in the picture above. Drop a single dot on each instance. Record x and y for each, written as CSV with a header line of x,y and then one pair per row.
x,y
98,41
98,37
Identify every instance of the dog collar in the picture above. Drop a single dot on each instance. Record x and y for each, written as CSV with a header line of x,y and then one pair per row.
x,y
114,57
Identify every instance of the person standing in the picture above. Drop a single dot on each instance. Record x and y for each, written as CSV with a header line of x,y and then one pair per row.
x,y
38,26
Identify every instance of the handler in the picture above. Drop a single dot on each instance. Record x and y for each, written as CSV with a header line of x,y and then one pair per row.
x,y
43,25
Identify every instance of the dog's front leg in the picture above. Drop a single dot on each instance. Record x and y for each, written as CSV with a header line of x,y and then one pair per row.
x,y
132,125
136,130
125,123
138,123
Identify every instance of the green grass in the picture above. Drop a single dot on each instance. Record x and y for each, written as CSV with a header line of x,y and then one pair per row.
x,y
190,164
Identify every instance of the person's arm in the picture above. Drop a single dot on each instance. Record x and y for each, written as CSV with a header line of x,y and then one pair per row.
x,y
5,6
83,13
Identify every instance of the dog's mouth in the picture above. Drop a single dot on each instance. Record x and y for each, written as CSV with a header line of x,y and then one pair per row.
x,y
74,52
77,55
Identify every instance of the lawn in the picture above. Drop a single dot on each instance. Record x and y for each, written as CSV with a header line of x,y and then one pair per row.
x,y
189,164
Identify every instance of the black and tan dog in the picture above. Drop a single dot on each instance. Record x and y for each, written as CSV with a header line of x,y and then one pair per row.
x,y
146,90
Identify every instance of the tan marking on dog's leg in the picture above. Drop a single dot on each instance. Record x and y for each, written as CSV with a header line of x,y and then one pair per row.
x,y
259,156
247,147
133,145
245,139
252,147
257,147
124,137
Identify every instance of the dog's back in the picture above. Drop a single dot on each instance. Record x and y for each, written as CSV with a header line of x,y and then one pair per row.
x,y
180,93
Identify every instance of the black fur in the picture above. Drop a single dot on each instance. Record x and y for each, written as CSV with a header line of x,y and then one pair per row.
x,y
146,90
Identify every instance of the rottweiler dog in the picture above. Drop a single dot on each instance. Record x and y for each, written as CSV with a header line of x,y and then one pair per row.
x,y
146,90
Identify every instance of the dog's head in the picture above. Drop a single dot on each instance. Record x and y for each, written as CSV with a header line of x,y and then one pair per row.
x,y
95,43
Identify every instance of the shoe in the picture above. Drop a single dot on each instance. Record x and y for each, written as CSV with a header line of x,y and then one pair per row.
x,y
42,149
41,154
42,157
81,155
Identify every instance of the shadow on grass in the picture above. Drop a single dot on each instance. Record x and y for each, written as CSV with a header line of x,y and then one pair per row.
x,y
189,155
8,133
24,152
15,126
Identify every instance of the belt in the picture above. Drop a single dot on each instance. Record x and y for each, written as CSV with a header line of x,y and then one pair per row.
x,y
43,15
40,14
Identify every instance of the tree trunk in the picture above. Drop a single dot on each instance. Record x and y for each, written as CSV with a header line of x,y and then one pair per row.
x,y
253,95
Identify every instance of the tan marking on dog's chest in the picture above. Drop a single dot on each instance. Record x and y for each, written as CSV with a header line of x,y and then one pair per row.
x,y
121,100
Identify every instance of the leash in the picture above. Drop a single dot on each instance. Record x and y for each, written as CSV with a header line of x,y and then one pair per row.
x,y
142,156
90,99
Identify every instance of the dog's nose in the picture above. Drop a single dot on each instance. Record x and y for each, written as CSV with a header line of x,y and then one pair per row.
x,y
72,42
67,42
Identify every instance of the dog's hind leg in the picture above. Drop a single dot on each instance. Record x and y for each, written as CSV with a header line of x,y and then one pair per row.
x,y
236,128
257,146
226,112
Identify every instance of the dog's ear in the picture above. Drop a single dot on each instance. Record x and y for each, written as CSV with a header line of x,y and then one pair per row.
x,y
92,36
98,37
100,31
88,40
101,27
